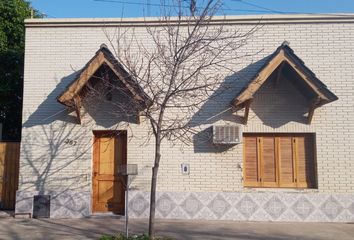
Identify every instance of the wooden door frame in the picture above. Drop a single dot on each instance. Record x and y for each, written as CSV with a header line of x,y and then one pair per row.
x,y
98,134
10,173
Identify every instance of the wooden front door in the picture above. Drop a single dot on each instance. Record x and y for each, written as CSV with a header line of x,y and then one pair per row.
x,y
9,169
109,152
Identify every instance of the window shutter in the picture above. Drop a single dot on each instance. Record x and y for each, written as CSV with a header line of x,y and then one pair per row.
x,y
305,159
279,160
268,161
251,162
286,162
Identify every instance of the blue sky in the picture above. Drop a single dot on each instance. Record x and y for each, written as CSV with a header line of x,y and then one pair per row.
x,y
139,8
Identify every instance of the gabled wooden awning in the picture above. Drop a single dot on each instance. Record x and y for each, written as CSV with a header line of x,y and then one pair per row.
x,y
71,97
284,62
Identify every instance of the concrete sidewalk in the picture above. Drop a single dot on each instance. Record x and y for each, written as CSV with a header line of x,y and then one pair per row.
x,y
93,228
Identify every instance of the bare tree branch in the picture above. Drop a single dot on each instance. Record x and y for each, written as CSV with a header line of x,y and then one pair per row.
x,y
180,64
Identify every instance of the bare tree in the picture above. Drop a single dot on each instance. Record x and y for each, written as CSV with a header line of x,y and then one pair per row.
x,y
183,61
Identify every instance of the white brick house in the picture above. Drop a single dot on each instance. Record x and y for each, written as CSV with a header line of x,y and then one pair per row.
x,y
293,164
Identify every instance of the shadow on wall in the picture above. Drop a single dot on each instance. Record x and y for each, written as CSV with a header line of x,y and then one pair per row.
x,y
218,106
50,166
53,146
278,105
50,110
218,110
203,142
102,111
273,106
49,157
47,151
109,113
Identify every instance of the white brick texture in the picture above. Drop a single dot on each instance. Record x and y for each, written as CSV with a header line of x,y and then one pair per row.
x,y
54,52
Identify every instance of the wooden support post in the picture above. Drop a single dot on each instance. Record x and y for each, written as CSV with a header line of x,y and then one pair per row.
x,y
313,105
138,118
77,102
247,110
310,115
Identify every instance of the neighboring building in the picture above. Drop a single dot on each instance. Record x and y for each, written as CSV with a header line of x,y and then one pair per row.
x,y
295,161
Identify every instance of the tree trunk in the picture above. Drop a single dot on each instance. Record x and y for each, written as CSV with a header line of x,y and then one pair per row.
x,y
153,189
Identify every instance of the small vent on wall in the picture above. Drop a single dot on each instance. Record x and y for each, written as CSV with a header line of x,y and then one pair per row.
x,y
227,134
41,206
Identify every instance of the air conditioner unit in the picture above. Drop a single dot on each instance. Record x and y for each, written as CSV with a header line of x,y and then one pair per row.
x,y
227,134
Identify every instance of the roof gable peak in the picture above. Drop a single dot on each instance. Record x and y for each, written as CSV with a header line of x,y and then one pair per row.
x,y
305,78
103,56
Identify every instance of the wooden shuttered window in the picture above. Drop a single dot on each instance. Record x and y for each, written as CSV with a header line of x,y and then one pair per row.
x,y
279,160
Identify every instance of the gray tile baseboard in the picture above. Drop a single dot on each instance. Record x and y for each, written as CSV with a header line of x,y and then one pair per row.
x,y
237,206
267,206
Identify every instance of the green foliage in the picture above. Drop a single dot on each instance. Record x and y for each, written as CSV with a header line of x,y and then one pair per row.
x,y
133,237
12,41
13,13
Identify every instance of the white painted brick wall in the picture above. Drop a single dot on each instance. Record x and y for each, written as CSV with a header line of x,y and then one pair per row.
x,y
53,52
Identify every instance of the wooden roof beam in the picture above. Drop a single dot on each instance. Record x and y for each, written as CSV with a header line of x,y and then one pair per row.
x,y
73,94
122,78
85,75
279,74
260,79
103,57
304,77
284,55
